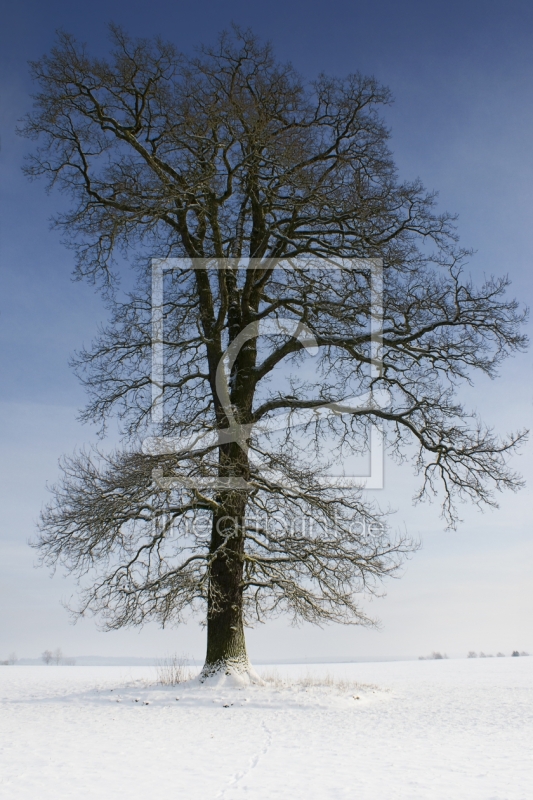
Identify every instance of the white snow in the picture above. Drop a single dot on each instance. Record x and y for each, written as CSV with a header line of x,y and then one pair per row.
x,y
455,729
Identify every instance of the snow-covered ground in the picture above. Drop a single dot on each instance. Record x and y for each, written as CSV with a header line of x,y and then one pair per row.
x,y
374,731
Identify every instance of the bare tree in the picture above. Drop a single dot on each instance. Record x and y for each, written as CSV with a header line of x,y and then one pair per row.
x,y
47,657
230,160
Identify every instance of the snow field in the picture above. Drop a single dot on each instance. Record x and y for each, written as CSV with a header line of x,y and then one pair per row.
x,y
419,730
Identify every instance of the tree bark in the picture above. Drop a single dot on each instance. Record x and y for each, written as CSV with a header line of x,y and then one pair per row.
x,y
226,647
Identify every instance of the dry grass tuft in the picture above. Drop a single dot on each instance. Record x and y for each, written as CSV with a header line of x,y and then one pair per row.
x,y
309,681
173,670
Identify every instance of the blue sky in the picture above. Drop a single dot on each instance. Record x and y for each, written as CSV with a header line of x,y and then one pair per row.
x,y
462,77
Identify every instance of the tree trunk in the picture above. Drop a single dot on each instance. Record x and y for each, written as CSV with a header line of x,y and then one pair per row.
x,y
226,647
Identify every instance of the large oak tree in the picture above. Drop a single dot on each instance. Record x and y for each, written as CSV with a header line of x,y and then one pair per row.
x,y
274,196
